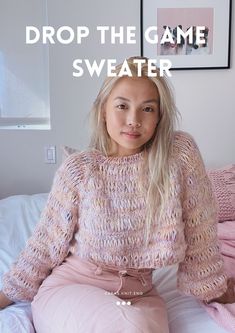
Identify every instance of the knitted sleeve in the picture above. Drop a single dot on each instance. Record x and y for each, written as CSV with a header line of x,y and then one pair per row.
x,y
201,274
49,243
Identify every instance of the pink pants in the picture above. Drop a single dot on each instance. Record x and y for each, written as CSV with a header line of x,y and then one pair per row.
x,y
83,297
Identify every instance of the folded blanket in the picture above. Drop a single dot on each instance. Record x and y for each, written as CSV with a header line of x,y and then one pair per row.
x,y
224,314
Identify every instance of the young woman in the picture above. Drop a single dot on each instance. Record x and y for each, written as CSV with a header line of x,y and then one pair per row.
x,y
137,200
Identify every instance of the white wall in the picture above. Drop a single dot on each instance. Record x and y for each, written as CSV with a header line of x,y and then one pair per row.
x,y
205,99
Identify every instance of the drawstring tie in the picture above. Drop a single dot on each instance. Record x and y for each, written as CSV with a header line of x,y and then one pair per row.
x,y
122,274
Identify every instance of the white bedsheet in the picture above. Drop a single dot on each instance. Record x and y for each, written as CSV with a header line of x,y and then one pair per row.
x,y
18,216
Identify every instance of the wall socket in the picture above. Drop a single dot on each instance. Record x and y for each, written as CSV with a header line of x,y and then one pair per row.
x,y
50,154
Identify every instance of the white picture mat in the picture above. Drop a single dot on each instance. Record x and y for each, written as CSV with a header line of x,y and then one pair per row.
x,y
219,56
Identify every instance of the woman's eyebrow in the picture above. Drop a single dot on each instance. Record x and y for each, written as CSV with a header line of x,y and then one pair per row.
x,y
125,99
156,101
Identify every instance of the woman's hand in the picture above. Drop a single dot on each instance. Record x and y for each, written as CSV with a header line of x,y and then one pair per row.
x,y
4,301
229,295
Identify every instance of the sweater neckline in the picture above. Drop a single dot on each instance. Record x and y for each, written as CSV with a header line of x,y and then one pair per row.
x,y
119,159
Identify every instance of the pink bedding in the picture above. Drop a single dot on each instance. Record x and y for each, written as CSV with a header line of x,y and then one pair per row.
x,y
224,315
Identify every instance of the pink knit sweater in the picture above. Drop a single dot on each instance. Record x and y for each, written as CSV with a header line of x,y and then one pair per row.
x,y
96,211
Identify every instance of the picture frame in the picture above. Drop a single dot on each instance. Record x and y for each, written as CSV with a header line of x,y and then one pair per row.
x,y
213,15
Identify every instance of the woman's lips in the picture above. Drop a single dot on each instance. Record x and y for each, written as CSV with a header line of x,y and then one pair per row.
x,y
131,135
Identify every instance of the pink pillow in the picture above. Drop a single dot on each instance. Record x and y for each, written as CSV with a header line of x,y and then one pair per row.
x,y
66,151
223,183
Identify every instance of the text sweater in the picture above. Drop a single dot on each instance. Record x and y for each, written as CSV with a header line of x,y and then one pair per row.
x,y
96,211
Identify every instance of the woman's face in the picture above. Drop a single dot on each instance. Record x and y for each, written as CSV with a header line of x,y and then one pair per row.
x,y
131,113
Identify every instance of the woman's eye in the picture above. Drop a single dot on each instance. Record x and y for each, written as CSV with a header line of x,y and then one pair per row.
x,y
121,106
148,109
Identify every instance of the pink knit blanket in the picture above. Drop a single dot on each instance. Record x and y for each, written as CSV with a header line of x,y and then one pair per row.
x,y
224,314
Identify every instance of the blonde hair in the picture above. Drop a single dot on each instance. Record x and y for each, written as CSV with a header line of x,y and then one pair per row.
x,y
156,152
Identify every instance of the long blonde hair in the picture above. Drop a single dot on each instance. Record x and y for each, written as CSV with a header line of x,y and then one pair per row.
x,y
156,152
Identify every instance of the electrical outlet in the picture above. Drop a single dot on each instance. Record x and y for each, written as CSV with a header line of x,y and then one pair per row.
x,y
50,154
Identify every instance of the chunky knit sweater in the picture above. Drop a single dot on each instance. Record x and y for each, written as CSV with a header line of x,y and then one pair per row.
x,y
96,210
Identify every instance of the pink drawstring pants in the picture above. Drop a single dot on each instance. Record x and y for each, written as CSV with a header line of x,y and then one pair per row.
x,y
81,296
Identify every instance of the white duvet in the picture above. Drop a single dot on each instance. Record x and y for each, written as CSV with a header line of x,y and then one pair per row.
x,y
18,216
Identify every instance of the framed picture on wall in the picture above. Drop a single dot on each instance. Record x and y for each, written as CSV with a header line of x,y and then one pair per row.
x,y
192,34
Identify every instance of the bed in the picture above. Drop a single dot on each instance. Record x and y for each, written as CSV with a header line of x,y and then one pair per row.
x,y
19,215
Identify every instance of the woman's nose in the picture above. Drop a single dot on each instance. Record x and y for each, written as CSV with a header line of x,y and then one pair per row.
x,y
134,121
